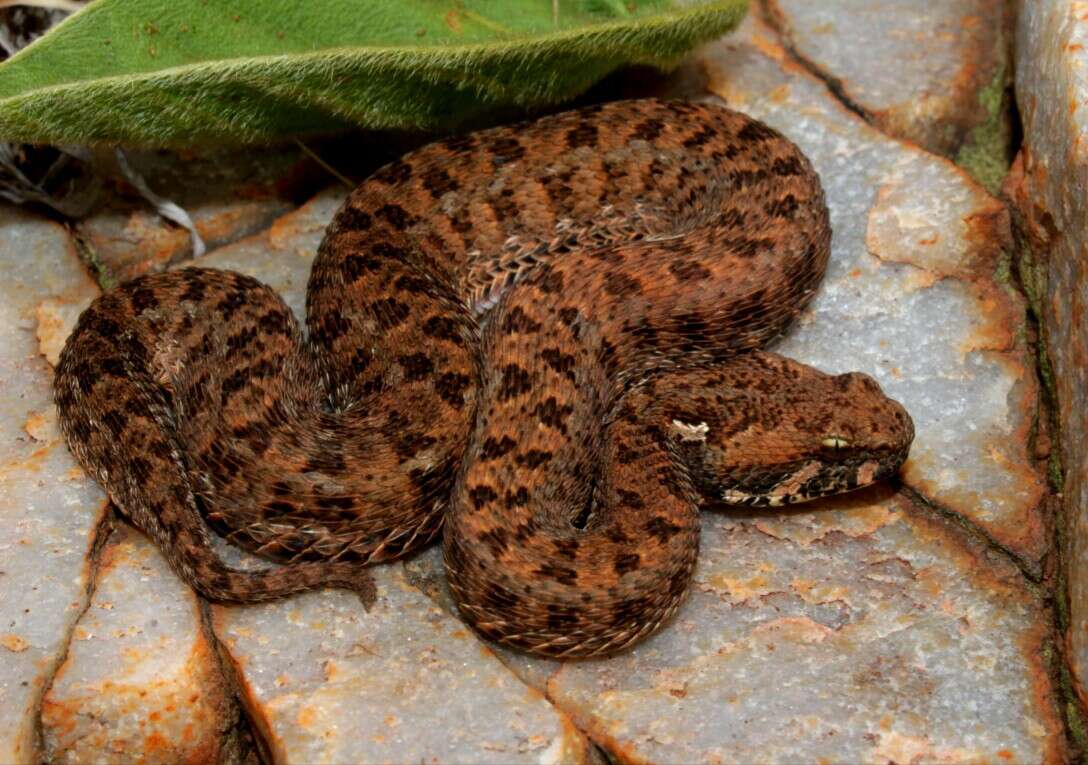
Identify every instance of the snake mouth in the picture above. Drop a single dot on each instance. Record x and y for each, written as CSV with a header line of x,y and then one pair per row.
x,y
808,480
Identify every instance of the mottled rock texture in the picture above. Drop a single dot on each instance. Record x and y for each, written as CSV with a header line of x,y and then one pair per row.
x,y
1052,196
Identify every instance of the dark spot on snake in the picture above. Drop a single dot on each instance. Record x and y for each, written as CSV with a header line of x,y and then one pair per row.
x,y
414,284
585,134
356,266
700,138
230,304
616,536
786,207
451,388
689,270
99,325
390,312
631,611
240,340
360,360
144,297
506,149
549,412
619,284
515,382
482,495
561,617
114,422
354,219
439,182
332,328
626,562
519,498
231,384
563,363
520,322
785,166
525,530
274,323
408,444
731,218
562,574
497,541
549,280
568,315
533,458
625,455
566,547
194,286
140,469
416,366
394,215
649,129
278,508
756,131
443,328
661,528
493,449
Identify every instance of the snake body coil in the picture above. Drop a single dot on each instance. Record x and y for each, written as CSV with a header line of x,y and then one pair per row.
x,y
544,336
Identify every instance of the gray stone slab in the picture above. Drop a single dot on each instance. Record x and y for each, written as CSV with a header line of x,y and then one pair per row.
x,y
917,68
48,509
141,678
326,681
1052,90
861,630
912,295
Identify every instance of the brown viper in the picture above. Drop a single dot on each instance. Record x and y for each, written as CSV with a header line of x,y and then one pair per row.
x,y
544,336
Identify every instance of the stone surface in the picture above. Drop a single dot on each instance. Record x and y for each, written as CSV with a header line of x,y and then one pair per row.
x,y
48,509
227,195
916,68
1052,90
141,676
326,681
912,295
860,630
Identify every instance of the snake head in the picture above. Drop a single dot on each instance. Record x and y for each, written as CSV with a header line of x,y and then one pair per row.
x,y
766,431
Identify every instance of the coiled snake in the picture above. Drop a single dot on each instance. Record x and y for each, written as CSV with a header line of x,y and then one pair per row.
x,y
542,338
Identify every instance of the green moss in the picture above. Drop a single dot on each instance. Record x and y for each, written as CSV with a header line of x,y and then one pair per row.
x,y
985,152
99,270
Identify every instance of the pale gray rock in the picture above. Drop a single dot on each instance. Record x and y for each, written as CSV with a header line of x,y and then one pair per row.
x,y
327,681
918,69
141,678
49,509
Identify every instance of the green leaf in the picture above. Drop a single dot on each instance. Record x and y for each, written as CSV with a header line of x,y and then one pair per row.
x,y
180,72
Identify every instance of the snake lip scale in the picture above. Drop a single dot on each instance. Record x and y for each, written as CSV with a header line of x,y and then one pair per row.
x,y
544,341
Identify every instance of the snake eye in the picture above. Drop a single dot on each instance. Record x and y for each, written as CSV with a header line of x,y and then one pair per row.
x,y
835,442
